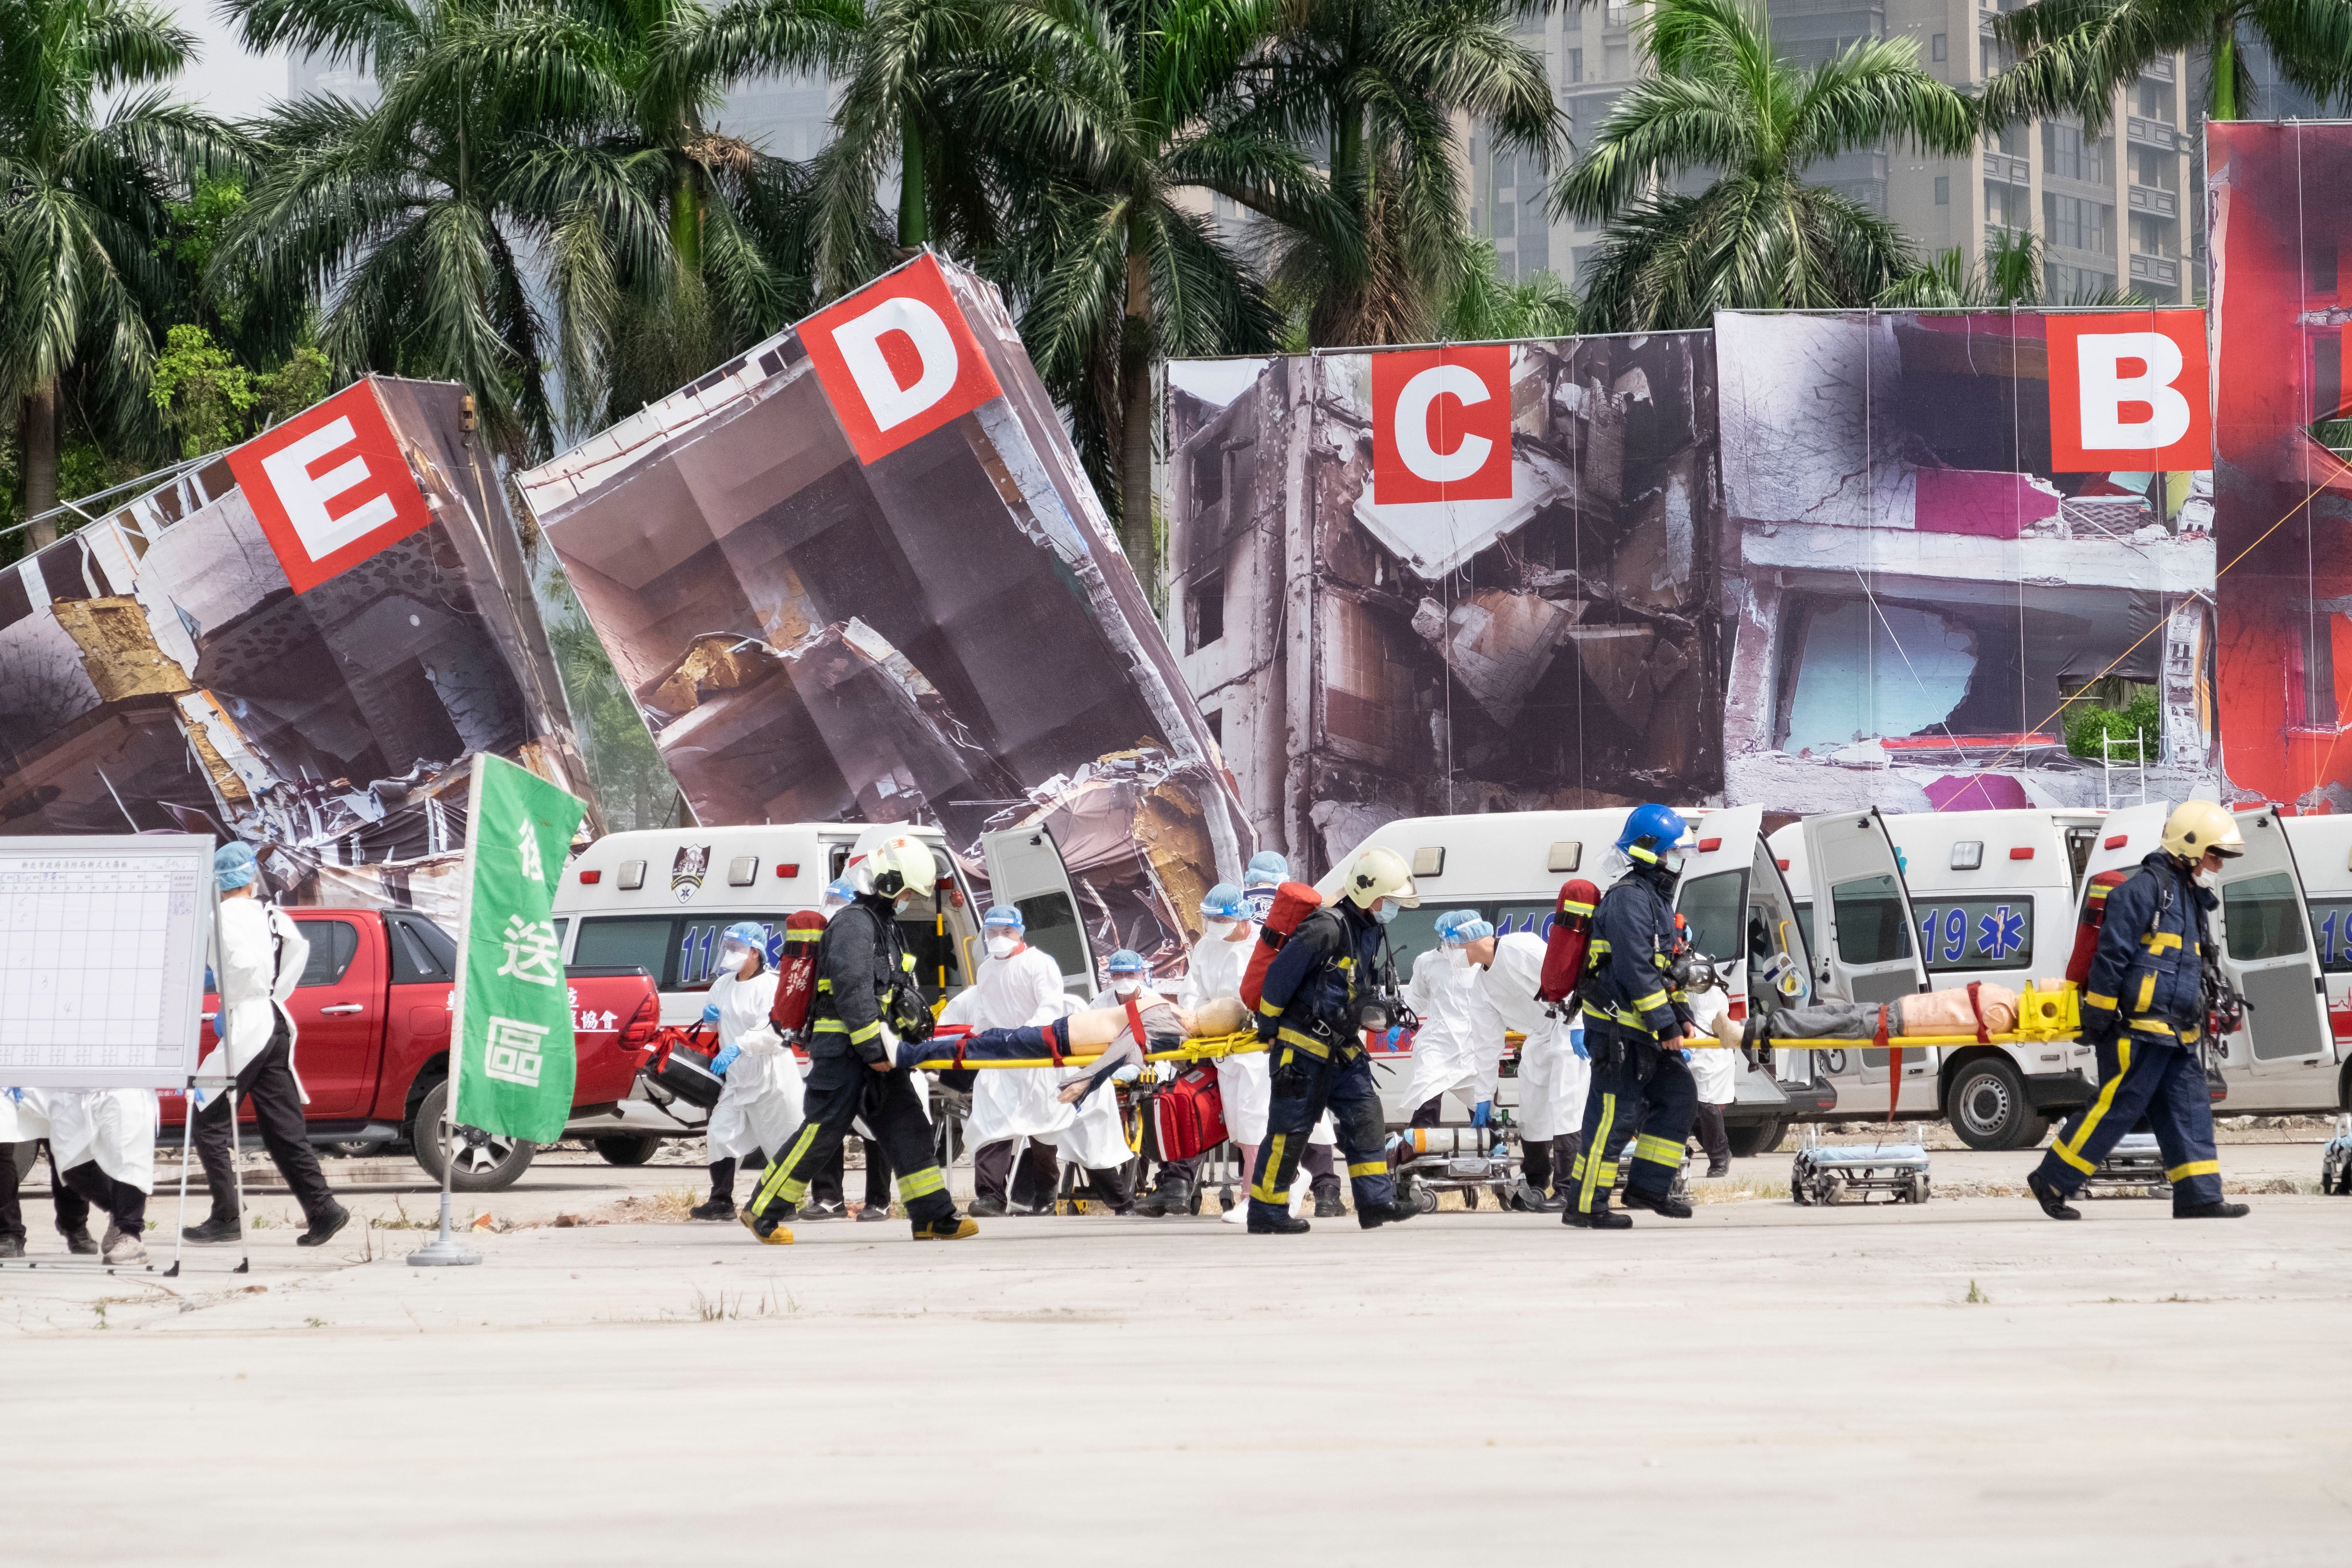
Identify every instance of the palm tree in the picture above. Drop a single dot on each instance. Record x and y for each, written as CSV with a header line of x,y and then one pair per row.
x,y
2010,274
84,209
1758,237
1115,108
1378,82
2078,53
1484,309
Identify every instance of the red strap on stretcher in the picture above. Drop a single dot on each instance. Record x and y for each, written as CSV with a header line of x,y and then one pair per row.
x,y
1135,1022
1984,1037
1893,1064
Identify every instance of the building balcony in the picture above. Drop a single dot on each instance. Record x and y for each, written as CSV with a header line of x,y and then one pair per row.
x,y
2154,269
2149,199
2008,171
2159,69
2152,133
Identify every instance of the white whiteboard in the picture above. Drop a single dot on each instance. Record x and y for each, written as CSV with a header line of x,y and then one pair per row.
x,y
102,946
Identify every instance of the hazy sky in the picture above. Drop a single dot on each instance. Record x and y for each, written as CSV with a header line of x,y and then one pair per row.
x,y
228,80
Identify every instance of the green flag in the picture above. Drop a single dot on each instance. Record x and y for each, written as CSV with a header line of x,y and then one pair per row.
x,y
516,1059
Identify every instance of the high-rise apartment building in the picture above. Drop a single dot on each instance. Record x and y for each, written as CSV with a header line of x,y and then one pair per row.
x,y
2122,210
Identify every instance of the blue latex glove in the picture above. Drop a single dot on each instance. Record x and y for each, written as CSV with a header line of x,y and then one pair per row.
x,y
1483,1114
725,1059
710,1012
1576,1044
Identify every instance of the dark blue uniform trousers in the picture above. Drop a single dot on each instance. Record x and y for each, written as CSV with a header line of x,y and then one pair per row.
x,y
2163,1081
1651,1089
1301,1095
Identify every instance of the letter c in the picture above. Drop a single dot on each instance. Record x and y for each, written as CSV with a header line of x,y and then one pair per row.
x,y
1423,460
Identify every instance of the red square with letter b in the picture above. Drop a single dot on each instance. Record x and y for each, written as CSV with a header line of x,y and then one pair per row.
x,y
329,487
2129,393
1442,425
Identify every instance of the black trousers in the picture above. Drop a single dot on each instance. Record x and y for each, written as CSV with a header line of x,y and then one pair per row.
x,y
1640,1086
126,1203
73,1209
827,1185
1031,1182
840,1090
1713,1136
1543,1158
268,1085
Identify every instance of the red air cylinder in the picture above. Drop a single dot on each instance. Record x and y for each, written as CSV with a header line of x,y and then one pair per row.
x,y
1292,902
2095,915
1568,941
796,973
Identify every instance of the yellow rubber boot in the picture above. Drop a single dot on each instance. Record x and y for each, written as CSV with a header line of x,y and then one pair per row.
x,y
779,1236
946,1229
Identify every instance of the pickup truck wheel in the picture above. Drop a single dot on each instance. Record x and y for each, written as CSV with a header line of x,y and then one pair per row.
x,y
1756,1138
486,1162
626,1151
1987,1106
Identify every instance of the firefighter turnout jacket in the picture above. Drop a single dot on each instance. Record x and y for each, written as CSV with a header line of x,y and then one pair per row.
x,y
2147,974
861,963
1628,981
1307,1006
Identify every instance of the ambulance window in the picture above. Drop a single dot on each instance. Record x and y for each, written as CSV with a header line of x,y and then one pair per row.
x,y
625,942
1413,933
1975,934
1714,907
936,963
1053,927
2332,919
2262,919
1868,915
1804,908
1533,918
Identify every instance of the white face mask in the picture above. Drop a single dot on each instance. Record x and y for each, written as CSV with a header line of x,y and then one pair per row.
x,y
1126,987
732,959
1458,956
1216,928
1002,946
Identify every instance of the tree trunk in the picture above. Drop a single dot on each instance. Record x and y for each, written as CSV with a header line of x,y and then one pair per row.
x,y
2224,105
1134,355
913,196
684,214
40,425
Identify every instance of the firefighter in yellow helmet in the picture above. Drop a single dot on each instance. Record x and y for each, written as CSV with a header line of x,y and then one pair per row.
x,y
2144,1007
1323,990
867,999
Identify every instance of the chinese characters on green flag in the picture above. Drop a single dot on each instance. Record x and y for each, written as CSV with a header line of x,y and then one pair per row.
x,y
513,1019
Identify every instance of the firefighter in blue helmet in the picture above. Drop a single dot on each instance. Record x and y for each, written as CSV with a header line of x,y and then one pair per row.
x,y
1634,1023
1311,1015
2144,1006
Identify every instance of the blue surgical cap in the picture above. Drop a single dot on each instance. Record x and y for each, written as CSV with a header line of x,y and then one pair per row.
x,y
1005,915
1470,931
1126,961
1266,866
234,867
1452,919
1224,902
750,933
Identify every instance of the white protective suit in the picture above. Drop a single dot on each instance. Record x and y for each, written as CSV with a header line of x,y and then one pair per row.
x,y
1715,1072
1021,992
1552,1077
1456,1050
259,956
759,1104
115,1127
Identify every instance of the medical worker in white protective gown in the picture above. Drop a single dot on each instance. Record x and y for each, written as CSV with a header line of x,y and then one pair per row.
x,y
1452,1053
1213,970
24,1123
1716,1075
759,1103
1553,1071
1016,986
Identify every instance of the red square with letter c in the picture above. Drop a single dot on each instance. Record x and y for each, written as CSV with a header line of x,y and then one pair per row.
x,y
329,487
2129,393
1442,425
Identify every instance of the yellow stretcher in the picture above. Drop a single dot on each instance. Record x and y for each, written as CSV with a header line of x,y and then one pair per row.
x,y
1206,1049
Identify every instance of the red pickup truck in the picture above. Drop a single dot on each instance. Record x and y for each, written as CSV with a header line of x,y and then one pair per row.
x,y
372,1009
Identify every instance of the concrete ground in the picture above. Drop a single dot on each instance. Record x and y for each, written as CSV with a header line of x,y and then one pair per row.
x,y
1962,1382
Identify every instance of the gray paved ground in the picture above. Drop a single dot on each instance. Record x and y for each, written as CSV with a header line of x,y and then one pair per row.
x,y
1762,1384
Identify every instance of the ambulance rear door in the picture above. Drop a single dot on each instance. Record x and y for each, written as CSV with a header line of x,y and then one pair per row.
x,y
1862,913
1738,913
1025,871
2267,952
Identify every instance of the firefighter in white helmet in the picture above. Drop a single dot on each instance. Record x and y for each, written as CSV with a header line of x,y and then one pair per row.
x,y
2145,1006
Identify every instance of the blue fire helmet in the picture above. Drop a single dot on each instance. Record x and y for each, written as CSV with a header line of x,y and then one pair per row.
x,y
1126,961
1650,832
1224,902
1472,930
839,890
234,867
1449,924
1005,915
1265,869
750,933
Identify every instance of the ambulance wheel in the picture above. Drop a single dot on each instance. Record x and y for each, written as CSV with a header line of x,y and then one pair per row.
x,y
487,1163
626,1151
1987,1107
1756,1138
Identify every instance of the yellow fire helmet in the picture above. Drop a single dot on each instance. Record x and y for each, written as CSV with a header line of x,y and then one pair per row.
x,y
1381,874
898,865
2199,827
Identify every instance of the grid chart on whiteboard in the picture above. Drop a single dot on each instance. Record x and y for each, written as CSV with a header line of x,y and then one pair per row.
x,y
87,945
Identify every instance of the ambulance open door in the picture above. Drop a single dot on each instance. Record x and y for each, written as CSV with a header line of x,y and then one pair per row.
x,y
1025,871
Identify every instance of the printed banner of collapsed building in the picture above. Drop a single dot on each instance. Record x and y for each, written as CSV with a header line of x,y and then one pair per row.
x,y
1801,560
857,574
300,644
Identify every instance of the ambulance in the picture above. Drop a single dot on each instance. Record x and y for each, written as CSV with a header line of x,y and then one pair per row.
x,y
2322,855
661,898
1508,865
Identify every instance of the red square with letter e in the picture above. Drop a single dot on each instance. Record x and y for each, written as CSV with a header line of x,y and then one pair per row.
x,y
2129,393
898,360
1442,425
329,487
